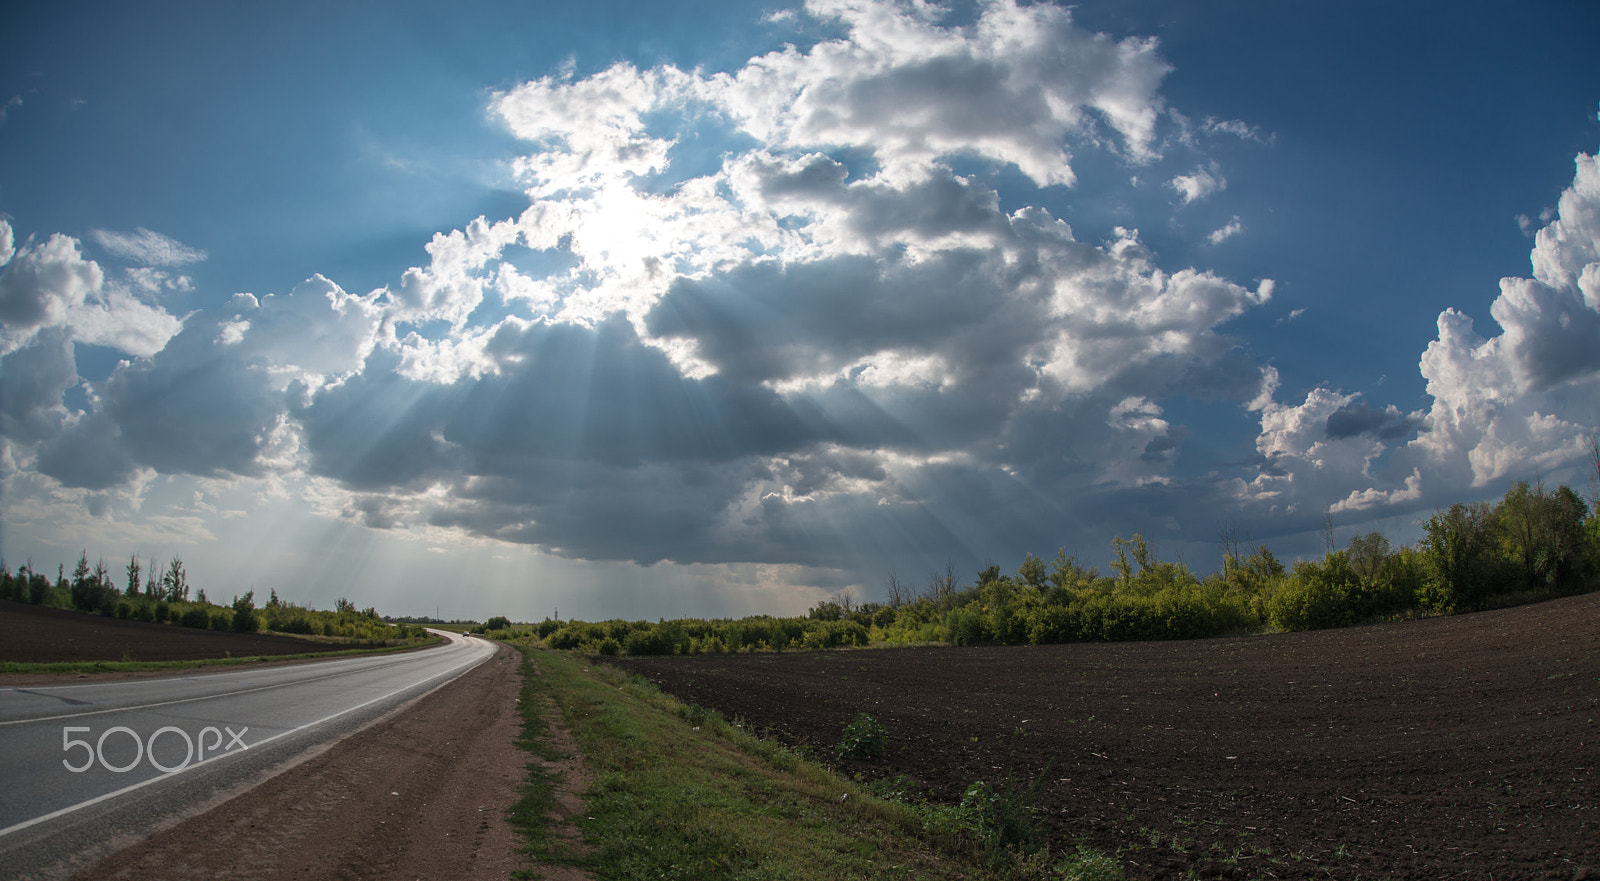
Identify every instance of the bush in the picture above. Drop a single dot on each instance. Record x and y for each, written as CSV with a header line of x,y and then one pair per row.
x,y
1002,816
864,738
1315,597
649,641
195,616
609,647
968,626
221,619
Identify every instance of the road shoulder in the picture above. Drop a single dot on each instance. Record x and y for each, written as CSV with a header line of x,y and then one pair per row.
x,y
422,793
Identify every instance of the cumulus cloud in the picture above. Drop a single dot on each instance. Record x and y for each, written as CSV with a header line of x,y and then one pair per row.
x,y
32,381
774,315
123,322
813,326
1505,406
43,281
1526,395
1358,418
52,285
1197,185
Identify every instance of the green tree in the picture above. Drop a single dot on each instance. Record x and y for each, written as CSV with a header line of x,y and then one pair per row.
x,y
1543,534
1368,554
1463,557
498,622
176,582
82,593
133,576
244,613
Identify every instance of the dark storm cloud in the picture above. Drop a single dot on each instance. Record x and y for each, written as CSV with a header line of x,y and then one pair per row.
x,y
771,321
1357,418
195,408
87,454
32,380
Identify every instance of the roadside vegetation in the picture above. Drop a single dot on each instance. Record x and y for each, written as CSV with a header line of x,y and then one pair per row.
x,y
163,595
1533,544
679,791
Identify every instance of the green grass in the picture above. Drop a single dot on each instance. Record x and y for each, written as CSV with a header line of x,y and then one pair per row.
x,y
679,792
63,667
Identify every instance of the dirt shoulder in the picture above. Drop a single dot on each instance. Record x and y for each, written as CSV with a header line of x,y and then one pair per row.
x,y
422,793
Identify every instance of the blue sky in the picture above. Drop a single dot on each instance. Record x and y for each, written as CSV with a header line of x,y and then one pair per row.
x,y
721,308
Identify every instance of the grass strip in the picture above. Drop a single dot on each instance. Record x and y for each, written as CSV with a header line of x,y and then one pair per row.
x,y
66,667
679,792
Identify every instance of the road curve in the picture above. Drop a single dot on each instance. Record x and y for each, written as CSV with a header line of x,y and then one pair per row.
x,y
88,768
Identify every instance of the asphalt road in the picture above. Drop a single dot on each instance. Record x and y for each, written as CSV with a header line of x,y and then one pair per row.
x,y
88,768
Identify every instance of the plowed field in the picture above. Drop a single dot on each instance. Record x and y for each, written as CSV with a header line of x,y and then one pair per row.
x,y
1441,748
36,634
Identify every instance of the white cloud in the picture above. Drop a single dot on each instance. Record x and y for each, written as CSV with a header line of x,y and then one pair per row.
x,y
1012,87
1234,127
123,322
147,248
1362,500
1508,406
1196,185
748,316
317,332
52,285
42,283
1496,399
1233,228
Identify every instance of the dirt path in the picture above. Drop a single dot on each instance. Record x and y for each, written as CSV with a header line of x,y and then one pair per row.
x,y
421,794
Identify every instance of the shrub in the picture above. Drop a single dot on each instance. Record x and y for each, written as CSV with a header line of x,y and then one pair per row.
x,y
564,639
1002,816
609,647
195,616
221,619
1315,597
968,626
649,641
1089,864
864,738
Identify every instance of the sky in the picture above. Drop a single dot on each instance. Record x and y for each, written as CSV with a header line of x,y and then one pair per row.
x,y
721,308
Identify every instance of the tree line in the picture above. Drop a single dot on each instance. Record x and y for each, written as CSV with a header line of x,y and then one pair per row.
x,y
162,595
1533,544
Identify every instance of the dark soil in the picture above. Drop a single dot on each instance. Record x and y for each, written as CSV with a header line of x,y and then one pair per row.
x,y
1440,748
36,634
